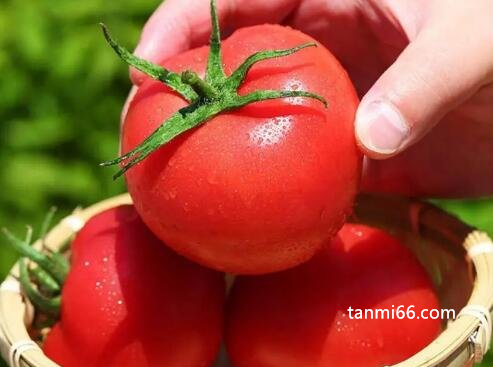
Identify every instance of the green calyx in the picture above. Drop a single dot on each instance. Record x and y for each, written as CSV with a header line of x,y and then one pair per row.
x,y
41,272
207,97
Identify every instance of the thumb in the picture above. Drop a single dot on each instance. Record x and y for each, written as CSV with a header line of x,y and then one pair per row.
x,y
434,74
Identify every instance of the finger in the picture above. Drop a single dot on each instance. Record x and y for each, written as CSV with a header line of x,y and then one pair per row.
x,y
130,96
178,25
440,69
123,115
454,160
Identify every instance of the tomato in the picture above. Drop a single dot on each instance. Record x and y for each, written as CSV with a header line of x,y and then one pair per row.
x,y
300,317
129,301
261,188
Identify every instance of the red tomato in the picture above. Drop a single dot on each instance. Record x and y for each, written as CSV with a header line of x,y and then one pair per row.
x,y
300,318
261,188
130,302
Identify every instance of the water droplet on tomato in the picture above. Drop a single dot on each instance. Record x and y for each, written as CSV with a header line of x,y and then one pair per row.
x,y
272,132
295,85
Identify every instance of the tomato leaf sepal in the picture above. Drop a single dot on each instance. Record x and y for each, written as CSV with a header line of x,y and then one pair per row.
x,y
46,304
43,282
208,97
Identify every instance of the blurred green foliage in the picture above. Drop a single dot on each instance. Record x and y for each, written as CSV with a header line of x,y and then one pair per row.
x,y
61,93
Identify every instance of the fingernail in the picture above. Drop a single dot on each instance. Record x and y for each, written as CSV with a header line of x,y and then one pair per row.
x,y
150,42
380,127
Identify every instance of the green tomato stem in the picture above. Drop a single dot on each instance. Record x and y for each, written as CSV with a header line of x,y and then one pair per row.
x,y
42,303
54,264
214,73
208,97
156,72
45,281
201,87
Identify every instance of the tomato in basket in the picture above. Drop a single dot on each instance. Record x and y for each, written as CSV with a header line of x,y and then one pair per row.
x,y
129,301
300,317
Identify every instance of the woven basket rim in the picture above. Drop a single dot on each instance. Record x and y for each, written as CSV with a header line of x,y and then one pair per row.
x,y
461,342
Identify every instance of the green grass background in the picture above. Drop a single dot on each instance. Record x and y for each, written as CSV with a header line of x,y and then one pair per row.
x,y
61,91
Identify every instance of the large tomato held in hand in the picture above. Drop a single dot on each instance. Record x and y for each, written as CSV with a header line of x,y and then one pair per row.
x,y
129,301
300,317
257,189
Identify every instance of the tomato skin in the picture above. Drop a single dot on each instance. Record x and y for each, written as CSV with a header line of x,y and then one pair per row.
x,y
258,189
130,301
299,317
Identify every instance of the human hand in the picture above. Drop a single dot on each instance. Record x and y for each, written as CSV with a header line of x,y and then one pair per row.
x,y
424,69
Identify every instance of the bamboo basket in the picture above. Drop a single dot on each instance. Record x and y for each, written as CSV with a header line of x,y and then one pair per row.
x,y
458,258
